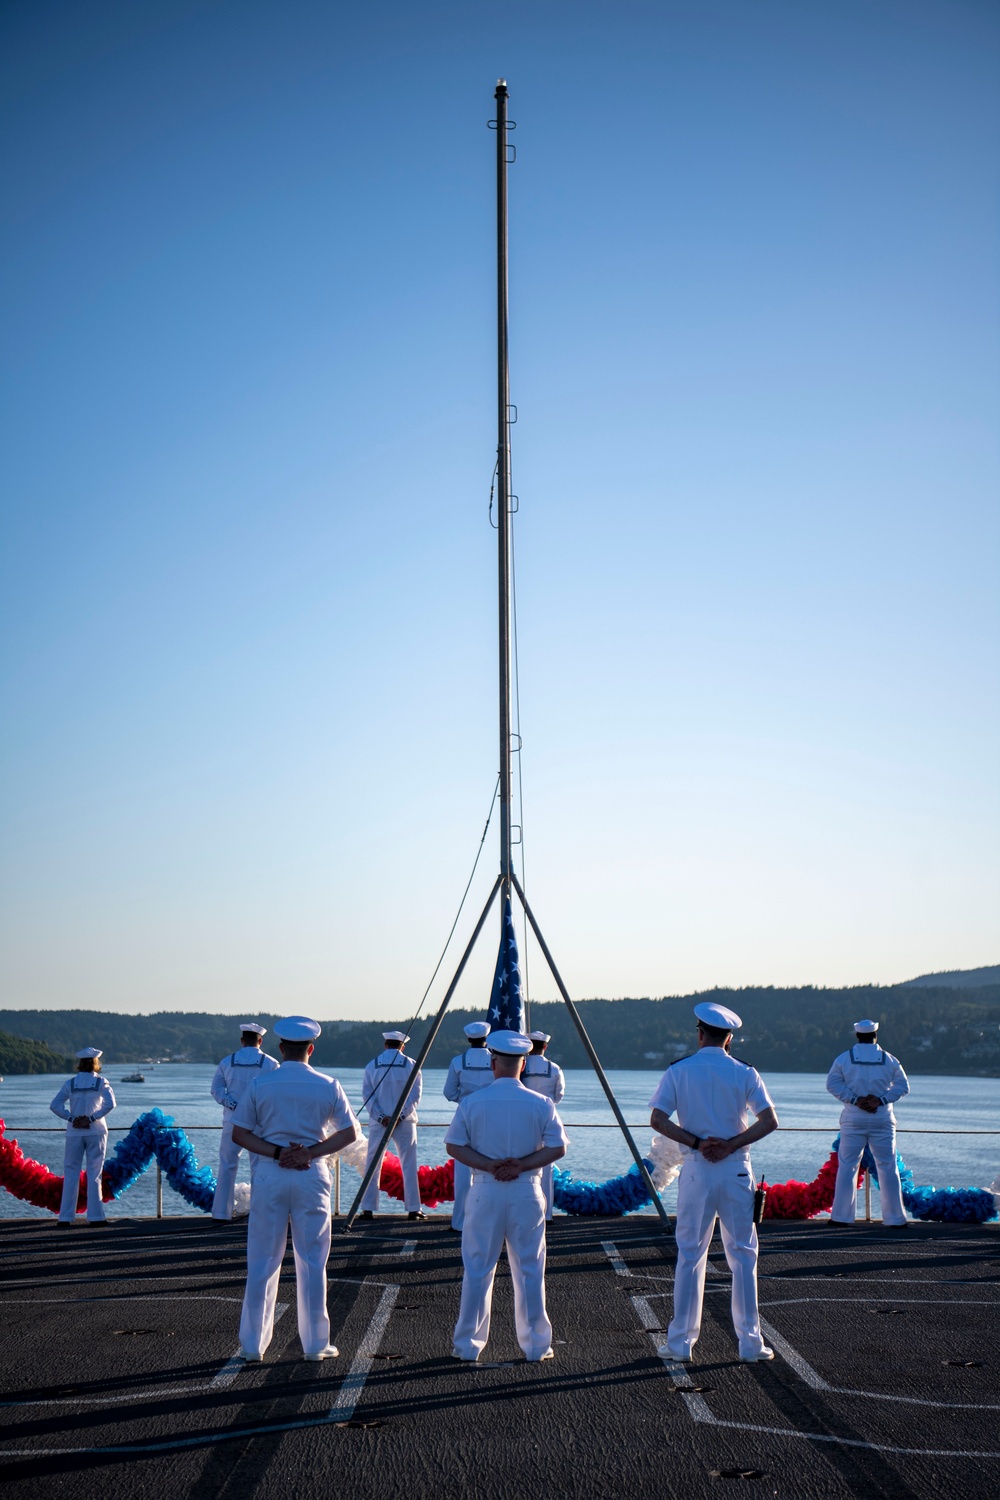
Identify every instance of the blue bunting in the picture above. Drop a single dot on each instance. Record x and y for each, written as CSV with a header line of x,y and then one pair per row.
x,y
619,1195
155,1134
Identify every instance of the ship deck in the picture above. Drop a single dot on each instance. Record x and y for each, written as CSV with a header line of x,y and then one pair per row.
x,y
118,1362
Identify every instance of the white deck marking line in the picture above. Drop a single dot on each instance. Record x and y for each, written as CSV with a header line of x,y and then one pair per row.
x,y
407,1247
829,1437
677,1371
111,1297
815,1381
921,1301
617,1264
786,1280
802,1367
622,1268
162,1296
236,1364
224,1378
675,1368
349,1395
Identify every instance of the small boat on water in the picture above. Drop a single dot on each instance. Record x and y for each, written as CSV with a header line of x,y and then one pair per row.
x,y
134,1078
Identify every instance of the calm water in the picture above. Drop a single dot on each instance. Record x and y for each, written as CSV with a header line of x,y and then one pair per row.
x,y
801,1100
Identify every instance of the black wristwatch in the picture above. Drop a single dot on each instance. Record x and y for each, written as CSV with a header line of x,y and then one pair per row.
x,y
277,1151
696,1143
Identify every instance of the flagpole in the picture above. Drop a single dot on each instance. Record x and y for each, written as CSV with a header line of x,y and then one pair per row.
x,y
503,491
506,880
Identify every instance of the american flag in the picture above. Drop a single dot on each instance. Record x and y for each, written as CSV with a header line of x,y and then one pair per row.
x,y
506,1012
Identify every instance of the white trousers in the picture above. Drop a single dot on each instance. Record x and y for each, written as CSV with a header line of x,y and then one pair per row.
x,y
282,1196
708,1190
548,1190
224,1201
463,1182
90,1145
405,1142
857,1130
496,1212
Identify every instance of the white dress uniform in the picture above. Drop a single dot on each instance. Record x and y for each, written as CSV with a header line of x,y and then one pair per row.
x,y
91,1095
505,1120
387,1078
232,1078
293,1105
714,1095
467,1074
543,1076
867,1068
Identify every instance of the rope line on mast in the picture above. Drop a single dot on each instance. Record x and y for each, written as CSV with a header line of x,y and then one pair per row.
x,y
493,485
423,999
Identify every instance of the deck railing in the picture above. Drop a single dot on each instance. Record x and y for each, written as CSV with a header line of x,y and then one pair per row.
x,y
443,1125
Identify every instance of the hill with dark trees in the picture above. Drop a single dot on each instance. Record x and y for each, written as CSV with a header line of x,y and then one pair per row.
x,y
943,1027
19,1054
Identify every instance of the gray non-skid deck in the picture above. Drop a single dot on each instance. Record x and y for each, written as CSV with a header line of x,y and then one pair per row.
x,y
117,1363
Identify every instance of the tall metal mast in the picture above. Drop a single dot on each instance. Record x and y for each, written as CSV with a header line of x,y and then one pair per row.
x,y
503,487
506,881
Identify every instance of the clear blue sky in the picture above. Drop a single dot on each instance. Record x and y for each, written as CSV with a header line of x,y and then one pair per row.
x,y
248,676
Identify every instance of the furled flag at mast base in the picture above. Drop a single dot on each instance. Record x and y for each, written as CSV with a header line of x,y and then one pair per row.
x,y
506,1012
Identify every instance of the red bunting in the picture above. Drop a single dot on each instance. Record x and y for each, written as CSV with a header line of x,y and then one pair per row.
x,y
802,1200
33,1183
437,1184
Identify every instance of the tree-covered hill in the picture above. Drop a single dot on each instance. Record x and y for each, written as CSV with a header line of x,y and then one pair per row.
x,y
932,1028
18,1054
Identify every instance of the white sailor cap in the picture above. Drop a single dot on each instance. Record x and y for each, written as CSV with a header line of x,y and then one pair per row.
x,y
476,1030
297,1029
539,1036
90,1052
509,1043
257,1030
718,1016
866,1026
395,1036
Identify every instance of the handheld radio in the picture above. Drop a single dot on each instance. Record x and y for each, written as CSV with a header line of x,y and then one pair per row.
x,y
759,1199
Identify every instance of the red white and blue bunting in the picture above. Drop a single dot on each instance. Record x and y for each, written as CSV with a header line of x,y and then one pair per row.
x,y
154,1136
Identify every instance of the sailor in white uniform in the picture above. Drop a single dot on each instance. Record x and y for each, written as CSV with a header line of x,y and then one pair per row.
x,y
506,1134
543,1076
713,1097
84,1100
232,1078
387,1079
868,1081
470,1071
294,1119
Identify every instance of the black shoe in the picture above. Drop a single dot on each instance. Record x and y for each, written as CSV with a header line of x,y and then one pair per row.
x,y
417,1213
97,1223
366,1213
64,1224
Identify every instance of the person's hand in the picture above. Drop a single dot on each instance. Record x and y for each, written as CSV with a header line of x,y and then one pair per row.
x,y
295,1157
81,1121
713,1148
507,1170
869,1103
